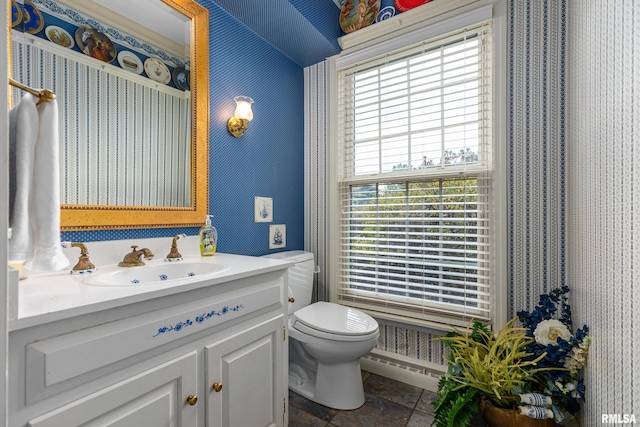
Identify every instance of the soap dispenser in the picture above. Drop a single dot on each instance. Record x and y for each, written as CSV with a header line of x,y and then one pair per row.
x,y
208,238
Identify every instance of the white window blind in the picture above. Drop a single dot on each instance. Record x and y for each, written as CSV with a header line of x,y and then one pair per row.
x,y
415,180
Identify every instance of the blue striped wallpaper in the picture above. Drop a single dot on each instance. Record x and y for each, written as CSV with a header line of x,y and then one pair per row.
x,y
536,150
267,161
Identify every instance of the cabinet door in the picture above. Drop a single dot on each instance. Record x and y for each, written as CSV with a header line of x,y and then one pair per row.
x,y
156,397
245,378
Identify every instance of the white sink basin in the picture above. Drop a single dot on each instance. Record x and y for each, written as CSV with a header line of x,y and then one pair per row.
x,y
160,274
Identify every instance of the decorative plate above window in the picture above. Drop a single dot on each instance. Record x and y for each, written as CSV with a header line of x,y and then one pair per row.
x,y
356,14
404,5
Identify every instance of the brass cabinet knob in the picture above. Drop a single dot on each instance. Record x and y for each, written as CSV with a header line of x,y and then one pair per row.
x,y
192,399
292,299
217,387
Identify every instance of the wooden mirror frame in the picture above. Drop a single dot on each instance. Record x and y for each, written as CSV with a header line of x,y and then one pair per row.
x,y
104,217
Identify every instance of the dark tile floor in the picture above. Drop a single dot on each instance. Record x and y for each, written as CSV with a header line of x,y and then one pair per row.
x,y
388,403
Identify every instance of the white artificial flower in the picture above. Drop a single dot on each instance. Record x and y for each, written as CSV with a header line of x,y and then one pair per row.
x,y
576,359
572,365
548,331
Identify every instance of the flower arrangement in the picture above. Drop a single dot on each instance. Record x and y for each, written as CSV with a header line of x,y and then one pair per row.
x,y
564,354
534,368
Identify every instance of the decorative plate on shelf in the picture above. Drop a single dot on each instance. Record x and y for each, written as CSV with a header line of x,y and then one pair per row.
x,y
404,5
16,14
386,13
356,14
59,36
32,18
130,61
95,44
156,70
181,78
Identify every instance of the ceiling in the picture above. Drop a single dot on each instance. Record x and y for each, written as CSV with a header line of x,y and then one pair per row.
x,y
306,31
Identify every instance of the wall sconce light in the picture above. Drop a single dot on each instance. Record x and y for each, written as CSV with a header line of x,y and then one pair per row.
x,y
240,120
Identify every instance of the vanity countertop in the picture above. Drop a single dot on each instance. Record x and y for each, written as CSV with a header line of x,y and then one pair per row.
x,y
48,297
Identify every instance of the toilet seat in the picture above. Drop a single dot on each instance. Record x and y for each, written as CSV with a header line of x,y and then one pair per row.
x,y
311,332
335,322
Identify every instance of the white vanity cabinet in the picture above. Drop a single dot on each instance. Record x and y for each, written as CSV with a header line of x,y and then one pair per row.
x,y
214,355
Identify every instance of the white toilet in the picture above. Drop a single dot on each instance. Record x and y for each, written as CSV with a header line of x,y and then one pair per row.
x,y
326,341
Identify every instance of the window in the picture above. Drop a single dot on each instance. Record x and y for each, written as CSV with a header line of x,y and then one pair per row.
x,y
415,182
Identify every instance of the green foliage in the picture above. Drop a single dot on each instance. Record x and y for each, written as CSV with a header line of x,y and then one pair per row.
x,y
481,363
479,331
456,406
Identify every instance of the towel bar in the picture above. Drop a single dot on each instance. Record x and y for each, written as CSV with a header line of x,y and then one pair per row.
x,y
45,95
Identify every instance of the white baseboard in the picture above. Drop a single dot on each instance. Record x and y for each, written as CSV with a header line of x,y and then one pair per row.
x,y
401,368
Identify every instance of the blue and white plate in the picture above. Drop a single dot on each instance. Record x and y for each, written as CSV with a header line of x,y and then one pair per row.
x,y
386,13
181,78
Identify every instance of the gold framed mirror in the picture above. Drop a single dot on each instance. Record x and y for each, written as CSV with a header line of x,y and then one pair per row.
x,y
191,169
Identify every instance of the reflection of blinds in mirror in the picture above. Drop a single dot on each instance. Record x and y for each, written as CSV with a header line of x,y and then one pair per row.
x,y
124,139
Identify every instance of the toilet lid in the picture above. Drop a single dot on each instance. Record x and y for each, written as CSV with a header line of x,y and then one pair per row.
x,y
336,319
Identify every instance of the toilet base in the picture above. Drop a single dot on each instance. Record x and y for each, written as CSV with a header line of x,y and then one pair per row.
x,y
337,385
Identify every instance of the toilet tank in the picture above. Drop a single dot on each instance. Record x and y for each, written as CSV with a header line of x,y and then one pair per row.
x,y
300,276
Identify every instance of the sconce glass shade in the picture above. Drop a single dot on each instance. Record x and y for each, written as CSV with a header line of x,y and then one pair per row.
x,y
243,108
239,123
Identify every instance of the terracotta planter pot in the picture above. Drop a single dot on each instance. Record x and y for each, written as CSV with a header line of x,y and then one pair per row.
x,y
500,417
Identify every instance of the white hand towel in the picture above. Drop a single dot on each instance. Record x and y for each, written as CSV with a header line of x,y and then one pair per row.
x,y
24,127
37,182
44,206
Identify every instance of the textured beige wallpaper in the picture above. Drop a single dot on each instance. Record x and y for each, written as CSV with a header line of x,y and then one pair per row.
x,y
603,198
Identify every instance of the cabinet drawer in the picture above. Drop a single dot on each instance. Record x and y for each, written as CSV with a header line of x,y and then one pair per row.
x,y
58,363
153,398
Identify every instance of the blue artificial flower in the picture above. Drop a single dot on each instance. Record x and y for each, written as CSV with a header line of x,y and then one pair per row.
x,y
561,362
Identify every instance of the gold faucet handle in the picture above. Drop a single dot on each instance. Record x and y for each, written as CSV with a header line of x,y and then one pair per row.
x,y
174,255
83,265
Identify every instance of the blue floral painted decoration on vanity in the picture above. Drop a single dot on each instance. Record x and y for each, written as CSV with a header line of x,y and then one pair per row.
x,y
198,319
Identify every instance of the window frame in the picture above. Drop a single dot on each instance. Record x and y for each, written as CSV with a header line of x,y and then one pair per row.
x,y
427,29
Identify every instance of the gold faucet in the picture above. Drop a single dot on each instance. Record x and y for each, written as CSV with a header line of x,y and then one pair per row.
x,y
132,259
174,255
83,262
